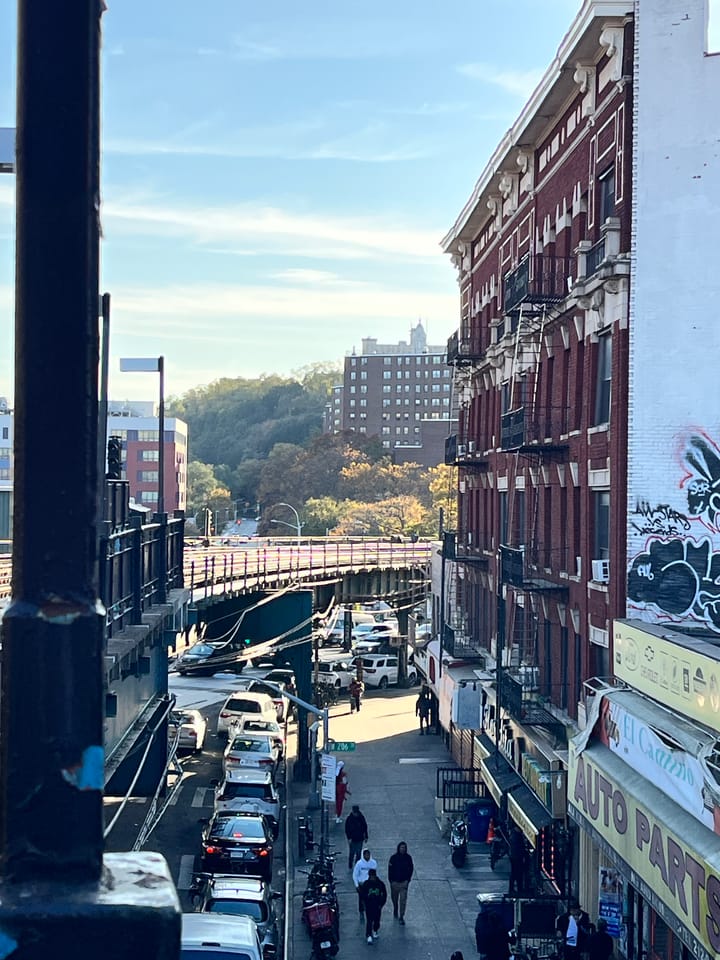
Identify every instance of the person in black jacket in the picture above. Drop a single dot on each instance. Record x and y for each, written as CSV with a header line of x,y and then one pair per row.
x,y
574,930
491,936
400,871
600,944
374,895
356,831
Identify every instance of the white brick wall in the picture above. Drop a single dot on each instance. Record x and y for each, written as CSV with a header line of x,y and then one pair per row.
x,y
674,415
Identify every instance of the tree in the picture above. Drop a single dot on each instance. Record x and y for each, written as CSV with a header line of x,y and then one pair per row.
x,y
321,515
200,481
443,491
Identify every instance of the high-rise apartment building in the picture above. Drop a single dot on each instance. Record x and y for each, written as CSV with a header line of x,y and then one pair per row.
x,y
400,393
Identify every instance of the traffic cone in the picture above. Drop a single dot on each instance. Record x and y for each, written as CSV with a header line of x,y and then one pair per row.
x,y
491,831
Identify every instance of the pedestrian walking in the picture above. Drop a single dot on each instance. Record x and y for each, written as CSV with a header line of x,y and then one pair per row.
x,y
356,831
341,789
517,852
600,944
374,895
400,871
574,930
422,710
361,871
355,692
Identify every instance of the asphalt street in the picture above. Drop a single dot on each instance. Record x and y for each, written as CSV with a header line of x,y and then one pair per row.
x,y
392,776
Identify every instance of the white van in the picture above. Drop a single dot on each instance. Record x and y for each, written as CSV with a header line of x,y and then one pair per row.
x,y
333,632
216,935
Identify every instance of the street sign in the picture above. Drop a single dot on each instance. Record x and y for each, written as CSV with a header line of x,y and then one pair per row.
x,y
343,746
328,766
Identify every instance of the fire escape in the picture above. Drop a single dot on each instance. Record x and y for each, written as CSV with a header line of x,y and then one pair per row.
x,y
533,431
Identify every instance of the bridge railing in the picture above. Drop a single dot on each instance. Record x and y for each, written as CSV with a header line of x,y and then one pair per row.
x,y
271,563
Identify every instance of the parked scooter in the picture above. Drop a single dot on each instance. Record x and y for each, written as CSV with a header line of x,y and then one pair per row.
x,y
458,841
321,921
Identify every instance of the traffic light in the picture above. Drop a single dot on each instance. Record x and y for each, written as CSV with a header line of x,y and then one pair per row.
x,y
247,641
114,458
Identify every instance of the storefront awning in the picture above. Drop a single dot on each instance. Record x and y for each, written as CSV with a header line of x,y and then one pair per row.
x,y
528,813
499,776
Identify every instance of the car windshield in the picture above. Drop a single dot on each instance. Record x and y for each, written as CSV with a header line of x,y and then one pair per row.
x,y
202,953
240,908
247,745
238,828
262,726
253,791
200,650
243,706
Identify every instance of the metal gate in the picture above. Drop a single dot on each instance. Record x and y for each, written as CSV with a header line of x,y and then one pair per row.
x,y
455,786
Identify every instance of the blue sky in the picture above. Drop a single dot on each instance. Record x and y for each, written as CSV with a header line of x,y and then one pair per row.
x,y
277,177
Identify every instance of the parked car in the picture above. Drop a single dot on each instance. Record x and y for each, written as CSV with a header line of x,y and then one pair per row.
x,y
250,750
374,631
238,842
243,704
240,897
259,686
381,670
188,728
271,727
250,789
219,938
337,673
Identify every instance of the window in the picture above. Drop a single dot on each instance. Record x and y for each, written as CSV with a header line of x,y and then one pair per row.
x,y
352,403
607,194
147,476
150,455
145,435
601,511
386,444
352,389
363,388
363,403
353,375
436,374
436,388
602,383
363,374
387,389
5,433
387,374
387,361
385,431
446,388
503,517
435,403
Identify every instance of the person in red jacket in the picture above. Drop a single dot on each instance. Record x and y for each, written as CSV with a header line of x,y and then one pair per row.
x,y
341,790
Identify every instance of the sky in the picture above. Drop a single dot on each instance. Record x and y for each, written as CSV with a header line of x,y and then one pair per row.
x,y
276,178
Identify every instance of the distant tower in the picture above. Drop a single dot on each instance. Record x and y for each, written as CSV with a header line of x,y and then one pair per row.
x,y
418,339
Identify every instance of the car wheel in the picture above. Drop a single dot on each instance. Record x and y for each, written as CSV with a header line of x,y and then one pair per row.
x,y
412,679
383,683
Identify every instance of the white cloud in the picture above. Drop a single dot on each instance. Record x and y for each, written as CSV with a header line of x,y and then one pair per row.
x,y
248,228
520,83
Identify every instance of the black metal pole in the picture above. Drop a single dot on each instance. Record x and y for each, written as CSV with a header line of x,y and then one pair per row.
x,y
51,770
442,591
499,662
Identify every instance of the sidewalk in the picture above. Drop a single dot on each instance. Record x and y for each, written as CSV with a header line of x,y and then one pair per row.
x,y
392,776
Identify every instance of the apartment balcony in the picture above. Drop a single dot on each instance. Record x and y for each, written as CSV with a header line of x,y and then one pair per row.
x,y
463,349
468,549
459,452
523,704
536,282
529,569
460,646
522,430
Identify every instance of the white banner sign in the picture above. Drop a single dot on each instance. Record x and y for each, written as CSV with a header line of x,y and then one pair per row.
x,y
328,768
677,773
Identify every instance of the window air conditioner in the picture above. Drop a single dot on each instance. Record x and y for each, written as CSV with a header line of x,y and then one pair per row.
x,y
601,571
471,446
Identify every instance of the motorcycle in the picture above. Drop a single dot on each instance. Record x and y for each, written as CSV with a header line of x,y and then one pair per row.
x,y
322,924
458,842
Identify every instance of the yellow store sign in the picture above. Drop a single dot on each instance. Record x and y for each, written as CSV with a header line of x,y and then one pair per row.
x,y
677,858
682,673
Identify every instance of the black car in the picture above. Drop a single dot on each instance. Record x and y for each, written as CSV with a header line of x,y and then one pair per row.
x,y
238,843
239,897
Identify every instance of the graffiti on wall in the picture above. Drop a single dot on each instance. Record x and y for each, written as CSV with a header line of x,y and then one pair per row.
x,y
680,577
678,569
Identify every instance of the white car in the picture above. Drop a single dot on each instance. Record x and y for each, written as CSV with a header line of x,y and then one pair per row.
x,y
374,631
271,727
188,727
250,750
381,670
243,704
216,935
338,673
250,789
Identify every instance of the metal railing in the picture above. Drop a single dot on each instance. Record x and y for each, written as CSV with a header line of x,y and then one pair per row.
x,y
538,279
594,257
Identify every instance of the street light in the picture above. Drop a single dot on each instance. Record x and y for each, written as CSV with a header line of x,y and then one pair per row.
x,y
297,525
153,365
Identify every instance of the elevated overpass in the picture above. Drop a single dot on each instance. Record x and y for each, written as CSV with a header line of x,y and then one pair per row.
x,y
156,590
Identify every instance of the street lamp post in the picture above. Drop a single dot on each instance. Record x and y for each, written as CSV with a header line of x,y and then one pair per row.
x,y
297,525
153,365
156,365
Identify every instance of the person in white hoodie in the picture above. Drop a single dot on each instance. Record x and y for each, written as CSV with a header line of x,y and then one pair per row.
x,y
360,875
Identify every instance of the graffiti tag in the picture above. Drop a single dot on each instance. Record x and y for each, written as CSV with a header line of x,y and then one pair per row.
x,y
702,483
660,521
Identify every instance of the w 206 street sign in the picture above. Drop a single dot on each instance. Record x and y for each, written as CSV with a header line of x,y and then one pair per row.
x,y
342,746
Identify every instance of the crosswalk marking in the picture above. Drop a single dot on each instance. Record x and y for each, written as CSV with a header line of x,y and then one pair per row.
x,y
187,867
199,799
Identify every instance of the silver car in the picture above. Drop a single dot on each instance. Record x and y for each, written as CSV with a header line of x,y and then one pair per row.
x,y
188,728
250,750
